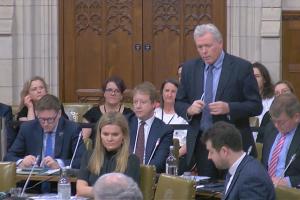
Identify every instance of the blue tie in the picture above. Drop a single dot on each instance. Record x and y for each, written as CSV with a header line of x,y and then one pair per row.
x,y
206,120
49,145
228,175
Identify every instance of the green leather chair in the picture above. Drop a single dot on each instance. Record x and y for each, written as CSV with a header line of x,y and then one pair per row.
x,y
7,175
147,181
75,111
174,187
284,193
259,147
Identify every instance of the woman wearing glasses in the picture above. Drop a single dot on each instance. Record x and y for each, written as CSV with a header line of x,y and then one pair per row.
x,y
110,154
113,94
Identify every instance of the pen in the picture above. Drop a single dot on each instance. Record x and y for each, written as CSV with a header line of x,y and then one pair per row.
x,y
202,97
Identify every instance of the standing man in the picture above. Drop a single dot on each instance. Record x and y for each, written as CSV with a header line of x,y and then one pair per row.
x,y
280,153
246,177
216,87
150,137
49,136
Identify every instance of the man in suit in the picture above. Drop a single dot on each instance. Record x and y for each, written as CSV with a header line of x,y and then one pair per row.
x,y
150,138
246,177
282,141
216,87
49,136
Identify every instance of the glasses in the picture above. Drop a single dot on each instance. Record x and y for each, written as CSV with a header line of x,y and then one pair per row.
x,y
49,120
110,90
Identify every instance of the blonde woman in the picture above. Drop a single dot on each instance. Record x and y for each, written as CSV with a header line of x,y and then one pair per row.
x,y
110,154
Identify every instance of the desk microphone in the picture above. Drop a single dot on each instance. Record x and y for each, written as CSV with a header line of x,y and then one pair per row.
x,y
74,153
156,145
249,150
288,165
27,180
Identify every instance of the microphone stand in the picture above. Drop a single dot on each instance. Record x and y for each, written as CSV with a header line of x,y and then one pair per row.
x,y
70,166
27,180
156,145
288,165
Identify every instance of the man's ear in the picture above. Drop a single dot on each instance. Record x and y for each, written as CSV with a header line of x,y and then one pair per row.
x,y
297,117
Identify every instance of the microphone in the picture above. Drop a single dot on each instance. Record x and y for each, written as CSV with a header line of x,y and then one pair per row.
x,y
74,153
288,165
27,180
156,145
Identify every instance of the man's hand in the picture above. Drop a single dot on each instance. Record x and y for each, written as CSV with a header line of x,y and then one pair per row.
x,y
50,162
28,161
277,181
219,108
195,108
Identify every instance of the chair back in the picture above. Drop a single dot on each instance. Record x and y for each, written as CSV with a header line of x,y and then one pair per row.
x,y
147,181
284,193
75,111
8,176
259,147
174,187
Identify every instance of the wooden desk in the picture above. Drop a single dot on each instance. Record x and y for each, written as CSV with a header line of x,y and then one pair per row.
x,y
53,178
208,195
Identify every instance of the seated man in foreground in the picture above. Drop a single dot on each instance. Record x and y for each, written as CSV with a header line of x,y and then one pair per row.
x,y
50,136
246,177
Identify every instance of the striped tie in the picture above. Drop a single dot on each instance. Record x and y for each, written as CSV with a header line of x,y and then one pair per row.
x,y
275,155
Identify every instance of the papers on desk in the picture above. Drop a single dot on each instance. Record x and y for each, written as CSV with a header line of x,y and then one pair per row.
x,y
196,178
37,171
54,196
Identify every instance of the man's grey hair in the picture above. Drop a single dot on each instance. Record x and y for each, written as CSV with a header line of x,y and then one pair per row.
x,y
116,186
202,29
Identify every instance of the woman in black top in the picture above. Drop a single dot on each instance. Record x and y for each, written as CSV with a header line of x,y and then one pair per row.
x,y
110,154
113,94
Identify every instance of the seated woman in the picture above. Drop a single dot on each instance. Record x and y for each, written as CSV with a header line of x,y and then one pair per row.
x,y
33,90
166,111
265,86
113,94
110,154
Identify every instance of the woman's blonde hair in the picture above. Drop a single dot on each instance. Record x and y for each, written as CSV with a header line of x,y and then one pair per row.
x,y
26,87
97,158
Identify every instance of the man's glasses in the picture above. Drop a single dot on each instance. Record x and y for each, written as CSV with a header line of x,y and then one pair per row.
x,y
49,120
111,91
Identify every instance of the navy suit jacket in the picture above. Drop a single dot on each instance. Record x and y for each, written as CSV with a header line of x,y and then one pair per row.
x,y
29,141
237,86
293,172
6,111
250,181
159,130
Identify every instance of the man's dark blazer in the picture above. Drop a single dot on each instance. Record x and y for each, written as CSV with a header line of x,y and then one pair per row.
x,y
6,111
29,141
293,172
237,86
159,130
250,181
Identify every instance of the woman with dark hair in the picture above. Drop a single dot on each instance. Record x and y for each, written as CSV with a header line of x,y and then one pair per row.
x,y
166,111
110,154
265,86
113,89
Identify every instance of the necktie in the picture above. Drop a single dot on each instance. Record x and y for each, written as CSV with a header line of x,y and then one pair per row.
x,y
206,119
275,155
228,176
49,145
139,151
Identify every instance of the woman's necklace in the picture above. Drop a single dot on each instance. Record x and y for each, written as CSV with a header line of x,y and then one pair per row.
x,y
105,108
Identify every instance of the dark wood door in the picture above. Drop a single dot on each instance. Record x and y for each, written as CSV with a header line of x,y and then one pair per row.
x,y
291,48
137,40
